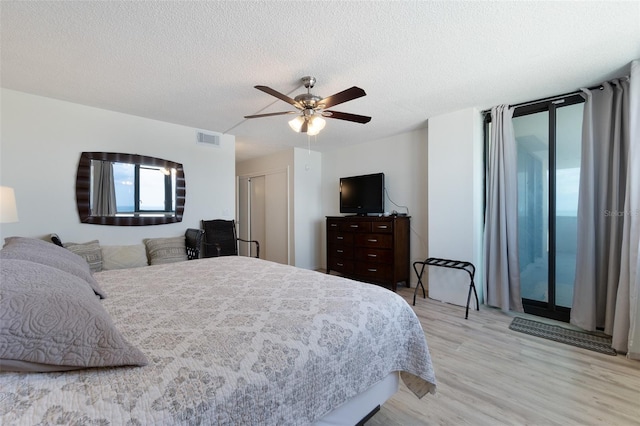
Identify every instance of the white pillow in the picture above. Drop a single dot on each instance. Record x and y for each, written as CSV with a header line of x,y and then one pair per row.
x,y
121,257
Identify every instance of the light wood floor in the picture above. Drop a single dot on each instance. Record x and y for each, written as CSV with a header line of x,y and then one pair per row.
x,y
489,375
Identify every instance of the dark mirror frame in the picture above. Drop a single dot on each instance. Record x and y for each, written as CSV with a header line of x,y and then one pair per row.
x,y
83,189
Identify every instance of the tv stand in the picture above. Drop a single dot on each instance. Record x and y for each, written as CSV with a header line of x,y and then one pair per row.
x,y
369,248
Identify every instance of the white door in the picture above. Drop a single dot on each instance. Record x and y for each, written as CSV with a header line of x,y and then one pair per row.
x,y
276,215
257,214
244,192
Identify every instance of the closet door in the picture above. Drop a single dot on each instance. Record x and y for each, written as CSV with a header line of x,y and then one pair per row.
x,y
242,215
276,209
258,215
251,214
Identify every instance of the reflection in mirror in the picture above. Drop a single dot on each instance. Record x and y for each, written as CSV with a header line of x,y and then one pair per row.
x,y
128,189
125,189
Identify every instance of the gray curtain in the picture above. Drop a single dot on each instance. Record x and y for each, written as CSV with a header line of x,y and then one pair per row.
x,y
626,326
103,190
605,144
501,264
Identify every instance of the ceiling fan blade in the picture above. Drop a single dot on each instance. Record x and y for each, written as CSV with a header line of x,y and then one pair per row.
x,y
304,127
271,114
346,116
344,96
279,95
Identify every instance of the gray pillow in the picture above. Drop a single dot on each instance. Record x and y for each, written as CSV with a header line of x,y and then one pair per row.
x,y
51,321
49,254
165,250
90,252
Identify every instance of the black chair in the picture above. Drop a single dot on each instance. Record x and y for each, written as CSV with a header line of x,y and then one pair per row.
x,y
221,239
193,241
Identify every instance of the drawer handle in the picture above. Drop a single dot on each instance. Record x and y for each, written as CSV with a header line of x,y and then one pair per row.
x,y
340,238
382,226
340,251
372,255
333,225
372,270
340,264
354,226
372,240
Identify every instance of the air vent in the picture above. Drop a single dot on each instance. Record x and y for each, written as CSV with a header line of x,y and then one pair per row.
x,y
208,139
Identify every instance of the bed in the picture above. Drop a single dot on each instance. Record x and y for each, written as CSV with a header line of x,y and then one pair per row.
x,y
234,340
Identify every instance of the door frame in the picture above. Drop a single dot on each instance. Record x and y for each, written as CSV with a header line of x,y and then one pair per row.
x,y
284,170
547,309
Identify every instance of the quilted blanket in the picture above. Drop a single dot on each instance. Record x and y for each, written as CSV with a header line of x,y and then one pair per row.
x,y
231,340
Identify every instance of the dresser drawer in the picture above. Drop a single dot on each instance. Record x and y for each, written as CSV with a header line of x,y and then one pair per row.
x,y
378,227
341,265
374,255
374,240
380,272
339,238
340,252
333,225
355,226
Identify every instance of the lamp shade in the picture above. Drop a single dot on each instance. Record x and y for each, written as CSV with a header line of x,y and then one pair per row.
x,y
296,123
316,124
8,209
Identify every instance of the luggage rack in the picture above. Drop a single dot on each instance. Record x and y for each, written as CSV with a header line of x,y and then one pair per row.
x,y
452,264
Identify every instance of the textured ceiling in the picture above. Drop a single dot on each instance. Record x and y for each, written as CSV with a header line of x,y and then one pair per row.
x,y
195,63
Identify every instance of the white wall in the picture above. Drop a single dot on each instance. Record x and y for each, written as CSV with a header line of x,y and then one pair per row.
x,y
403,160
41,143
455,201
308,219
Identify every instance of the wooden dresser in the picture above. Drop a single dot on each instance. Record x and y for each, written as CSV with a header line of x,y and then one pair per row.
x,y
369,248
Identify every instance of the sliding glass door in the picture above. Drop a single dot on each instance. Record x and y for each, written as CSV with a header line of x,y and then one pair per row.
x,y
532,142
567,182
548,139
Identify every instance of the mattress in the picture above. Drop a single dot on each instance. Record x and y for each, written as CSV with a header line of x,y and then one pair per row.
x,y
232,340
363,404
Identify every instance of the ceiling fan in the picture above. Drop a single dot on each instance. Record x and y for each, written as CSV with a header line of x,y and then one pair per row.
x,y
312,108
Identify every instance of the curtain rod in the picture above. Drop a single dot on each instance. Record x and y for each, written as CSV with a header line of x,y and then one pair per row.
x,y
549,99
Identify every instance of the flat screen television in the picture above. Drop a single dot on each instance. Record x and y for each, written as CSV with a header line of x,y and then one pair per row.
x,y
362,195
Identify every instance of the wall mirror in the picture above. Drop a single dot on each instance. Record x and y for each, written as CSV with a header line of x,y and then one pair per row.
x,y
129,189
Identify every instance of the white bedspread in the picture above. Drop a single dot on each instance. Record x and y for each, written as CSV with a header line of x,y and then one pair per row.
x,y
231,340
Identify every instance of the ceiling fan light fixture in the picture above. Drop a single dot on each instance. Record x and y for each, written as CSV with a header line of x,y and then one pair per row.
x,y
316,124
296,123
